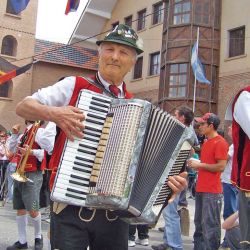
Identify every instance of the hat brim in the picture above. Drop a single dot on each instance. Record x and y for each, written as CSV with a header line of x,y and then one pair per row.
x,y
199,120
138,51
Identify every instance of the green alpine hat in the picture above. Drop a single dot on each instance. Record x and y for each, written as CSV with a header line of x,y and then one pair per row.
x,y
124,34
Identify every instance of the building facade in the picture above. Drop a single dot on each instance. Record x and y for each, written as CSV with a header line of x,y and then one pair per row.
x,y
17,42
187,22
234,71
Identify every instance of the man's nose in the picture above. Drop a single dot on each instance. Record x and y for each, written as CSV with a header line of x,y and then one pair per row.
x,y
115,55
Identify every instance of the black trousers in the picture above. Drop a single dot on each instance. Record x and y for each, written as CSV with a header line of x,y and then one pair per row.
x,y
69,232
45,192
142,232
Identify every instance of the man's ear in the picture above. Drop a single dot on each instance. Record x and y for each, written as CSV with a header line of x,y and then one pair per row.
x,y
211,125
182,119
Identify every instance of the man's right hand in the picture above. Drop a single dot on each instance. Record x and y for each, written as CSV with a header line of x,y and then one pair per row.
x,y
69,119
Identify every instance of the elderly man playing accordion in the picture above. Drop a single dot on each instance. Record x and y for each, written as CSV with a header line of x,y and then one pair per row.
x,y
117,55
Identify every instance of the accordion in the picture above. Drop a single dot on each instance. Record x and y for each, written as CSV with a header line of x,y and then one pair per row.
x,y
128,150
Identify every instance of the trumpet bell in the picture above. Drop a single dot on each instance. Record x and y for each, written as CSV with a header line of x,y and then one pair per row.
x,y
21,178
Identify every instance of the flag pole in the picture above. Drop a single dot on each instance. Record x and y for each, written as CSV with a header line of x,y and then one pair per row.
x,y
195,81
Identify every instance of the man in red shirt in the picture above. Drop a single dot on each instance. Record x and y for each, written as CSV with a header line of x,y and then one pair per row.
x,y
208,199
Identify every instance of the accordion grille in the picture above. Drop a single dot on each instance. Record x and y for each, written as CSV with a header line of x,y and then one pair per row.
x,y
123,134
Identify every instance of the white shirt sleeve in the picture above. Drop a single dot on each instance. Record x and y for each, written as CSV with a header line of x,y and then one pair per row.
x,y
242,112
38,153
45,137
58,94
231,150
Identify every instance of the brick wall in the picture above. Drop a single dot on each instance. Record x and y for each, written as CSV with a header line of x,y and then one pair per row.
x,y
228,86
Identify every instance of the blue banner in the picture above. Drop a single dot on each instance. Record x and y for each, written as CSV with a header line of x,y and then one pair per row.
x,y
197,66
19,5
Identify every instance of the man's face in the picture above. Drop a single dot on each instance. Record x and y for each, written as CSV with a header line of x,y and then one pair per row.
x,y
115,61
205,128
179,117
14,131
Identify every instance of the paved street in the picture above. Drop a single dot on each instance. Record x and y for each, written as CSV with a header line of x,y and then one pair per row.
x,y
8,230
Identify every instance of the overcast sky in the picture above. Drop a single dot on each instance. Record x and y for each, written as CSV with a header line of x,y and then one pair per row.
x,y
52,24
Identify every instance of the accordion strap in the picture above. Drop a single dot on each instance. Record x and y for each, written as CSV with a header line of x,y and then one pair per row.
x,y
100,86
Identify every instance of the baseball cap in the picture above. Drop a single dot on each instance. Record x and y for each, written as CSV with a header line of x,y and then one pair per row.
x,y
123,34
209,118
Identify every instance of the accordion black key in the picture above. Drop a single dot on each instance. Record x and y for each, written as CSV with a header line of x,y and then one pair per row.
x,y
122,163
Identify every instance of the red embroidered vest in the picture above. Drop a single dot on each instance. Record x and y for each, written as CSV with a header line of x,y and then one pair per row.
x,y
80,84
241,158
32,164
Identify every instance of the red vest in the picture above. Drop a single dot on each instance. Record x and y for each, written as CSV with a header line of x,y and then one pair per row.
x,y
32,164
241,158
80,84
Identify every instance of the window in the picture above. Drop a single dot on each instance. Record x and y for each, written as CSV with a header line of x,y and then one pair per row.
x,y
141,19
138,68
207,91
9,8
154,64
4,89
217,13
178,80
182,10
202,12
115,24
9,45
157,13
128,20
237,42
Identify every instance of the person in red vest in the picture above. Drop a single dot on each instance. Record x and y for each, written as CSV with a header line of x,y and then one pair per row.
x,y
26,194
241,160
117,55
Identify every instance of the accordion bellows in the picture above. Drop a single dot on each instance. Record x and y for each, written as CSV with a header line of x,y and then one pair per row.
x,y
129,149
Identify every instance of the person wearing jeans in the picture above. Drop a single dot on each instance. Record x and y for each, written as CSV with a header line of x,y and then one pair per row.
x,y
230,192
11,168
172,231
207,221
208,199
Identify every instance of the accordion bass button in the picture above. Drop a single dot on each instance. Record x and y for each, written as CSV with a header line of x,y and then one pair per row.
x,y
93,179
95,173
97,166
99,154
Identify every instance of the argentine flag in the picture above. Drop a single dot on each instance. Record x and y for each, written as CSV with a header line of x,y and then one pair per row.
x,y
197,66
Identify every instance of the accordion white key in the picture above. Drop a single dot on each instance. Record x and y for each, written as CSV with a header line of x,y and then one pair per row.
x,y
123,161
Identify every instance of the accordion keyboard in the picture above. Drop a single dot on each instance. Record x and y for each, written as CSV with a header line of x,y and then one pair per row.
x,y
73,179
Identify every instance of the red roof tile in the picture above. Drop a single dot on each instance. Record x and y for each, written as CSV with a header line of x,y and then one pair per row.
x,y
70,55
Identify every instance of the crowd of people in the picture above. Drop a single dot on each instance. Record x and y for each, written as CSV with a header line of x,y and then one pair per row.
x,y
70,227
